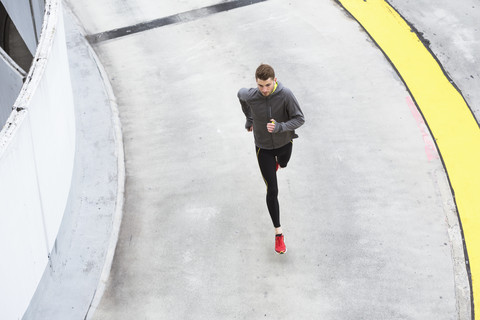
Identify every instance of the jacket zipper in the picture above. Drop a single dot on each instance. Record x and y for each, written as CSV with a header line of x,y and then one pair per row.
x,y
270,117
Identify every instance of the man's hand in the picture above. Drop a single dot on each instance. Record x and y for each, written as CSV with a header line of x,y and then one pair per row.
x,y
271,126
250,129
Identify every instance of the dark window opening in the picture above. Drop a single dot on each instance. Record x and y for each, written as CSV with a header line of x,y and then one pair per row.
x,y
12,43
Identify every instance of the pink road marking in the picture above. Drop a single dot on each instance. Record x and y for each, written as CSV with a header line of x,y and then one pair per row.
x,y
430,148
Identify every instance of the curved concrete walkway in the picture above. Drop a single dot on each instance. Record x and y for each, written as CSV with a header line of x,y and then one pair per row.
x,y
368,215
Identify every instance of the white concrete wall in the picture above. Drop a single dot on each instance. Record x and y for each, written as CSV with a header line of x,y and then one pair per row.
x,y
36,161
11,81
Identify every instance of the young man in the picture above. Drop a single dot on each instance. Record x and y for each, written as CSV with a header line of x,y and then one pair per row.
x,y
273,114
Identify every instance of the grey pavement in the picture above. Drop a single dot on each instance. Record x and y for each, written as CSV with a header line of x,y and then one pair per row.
x,y
368,217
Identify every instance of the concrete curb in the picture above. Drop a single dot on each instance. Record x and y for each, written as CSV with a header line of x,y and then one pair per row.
x,y
79,266
117,219
118,214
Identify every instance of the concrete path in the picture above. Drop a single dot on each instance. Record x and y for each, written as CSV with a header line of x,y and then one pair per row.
x,y
368,215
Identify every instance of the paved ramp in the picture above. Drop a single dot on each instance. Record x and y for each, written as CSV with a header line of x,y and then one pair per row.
x,y
365,209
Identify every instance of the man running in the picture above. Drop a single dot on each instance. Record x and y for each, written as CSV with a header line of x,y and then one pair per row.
x,y
273,114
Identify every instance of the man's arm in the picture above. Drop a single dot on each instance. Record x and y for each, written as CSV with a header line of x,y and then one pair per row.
x,y
296,118
242,94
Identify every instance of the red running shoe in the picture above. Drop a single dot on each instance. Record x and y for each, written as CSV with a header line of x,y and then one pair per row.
x,y
280,247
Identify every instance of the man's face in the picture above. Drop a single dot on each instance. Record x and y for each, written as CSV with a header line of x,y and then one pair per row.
x,y
266,86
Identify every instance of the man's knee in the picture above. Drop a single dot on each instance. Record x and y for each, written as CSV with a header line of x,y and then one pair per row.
x,y
272,193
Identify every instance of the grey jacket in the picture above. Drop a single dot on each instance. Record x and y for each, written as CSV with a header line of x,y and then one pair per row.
x,y
281,105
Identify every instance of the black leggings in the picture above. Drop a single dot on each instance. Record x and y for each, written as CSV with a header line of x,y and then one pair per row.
x,y
267,160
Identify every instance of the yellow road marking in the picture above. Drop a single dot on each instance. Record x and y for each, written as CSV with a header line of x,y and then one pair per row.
x,y
449,118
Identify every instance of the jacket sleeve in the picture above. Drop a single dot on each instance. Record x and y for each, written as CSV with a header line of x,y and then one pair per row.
x,y
295,114
242,95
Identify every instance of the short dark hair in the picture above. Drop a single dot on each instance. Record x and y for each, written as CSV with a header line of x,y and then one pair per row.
x,y
264,72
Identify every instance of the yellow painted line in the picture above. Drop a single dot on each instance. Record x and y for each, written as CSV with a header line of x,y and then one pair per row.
x,y
449,118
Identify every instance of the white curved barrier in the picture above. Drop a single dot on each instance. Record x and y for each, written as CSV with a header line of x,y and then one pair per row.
x,y
37,148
